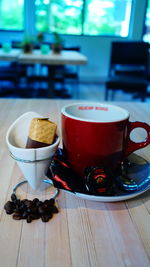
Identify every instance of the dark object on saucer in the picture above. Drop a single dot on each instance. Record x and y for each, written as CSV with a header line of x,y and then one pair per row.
x,y
131,179
99,180
63,176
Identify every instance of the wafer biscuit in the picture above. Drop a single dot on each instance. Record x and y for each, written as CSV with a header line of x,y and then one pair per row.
x,y
41,130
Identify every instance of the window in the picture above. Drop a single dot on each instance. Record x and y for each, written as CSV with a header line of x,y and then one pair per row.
x,y
62,16
89,17
11,14
146,36
78,17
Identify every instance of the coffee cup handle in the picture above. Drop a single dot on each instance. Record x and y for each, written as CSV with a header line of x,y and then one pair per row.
x,y
132,146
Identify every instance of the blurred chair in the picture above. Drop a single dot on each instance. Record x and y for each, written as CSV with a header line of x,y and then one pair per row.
x,y
68,71
72,72
24,69
8,80
128,68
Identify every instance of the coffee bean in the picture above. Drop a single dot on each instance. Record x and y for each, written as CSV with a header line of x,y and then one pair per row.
x,y
34,210
51,201
24,215
9,207
49,209
29,219
18,202
13,197
9,212
46,202
24,200
22,207
31,209
35,201
49,215
40,203
35,216
44,206
17,210
55,209
17,216
29,203
44,218
41,210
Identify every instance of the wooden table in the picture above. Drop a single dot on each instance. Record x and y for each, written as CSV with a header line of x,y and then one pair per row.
x,y
65,57
51,60
84,233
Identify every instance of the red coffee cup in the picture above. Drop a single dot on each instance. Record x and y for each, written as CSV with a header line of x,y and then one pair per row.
x,y
98,134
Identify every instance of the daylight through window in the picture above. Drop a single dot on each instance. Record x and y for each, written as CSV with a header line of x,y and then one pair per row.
x,y
11,14
77,17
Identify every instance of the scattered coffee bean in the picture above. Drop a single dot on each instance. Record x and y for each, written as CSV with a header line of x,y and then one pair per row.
x,y
8,205
46,202
44,218
29,219
49,215
29,203
39,203
24,215
30,209
35,216
9,212
17,216
51,201
41,210
35,200
13,197
55,209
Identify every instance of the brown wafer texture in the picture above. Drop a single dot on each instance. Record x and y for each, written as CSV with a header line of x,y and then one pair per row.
x,y
42,130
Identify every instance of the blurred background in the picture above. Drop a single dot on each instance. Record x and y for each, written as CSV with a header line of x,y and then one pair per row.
x,y
90,25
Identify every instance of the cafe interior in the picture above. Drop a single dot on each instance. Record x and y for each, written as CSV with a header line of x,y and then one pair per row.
x,y
104,49
74,169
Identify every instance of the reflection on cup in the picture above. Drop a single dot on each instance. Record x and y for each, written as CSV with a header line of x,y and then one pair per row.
x,y
96,134
6,47
45,49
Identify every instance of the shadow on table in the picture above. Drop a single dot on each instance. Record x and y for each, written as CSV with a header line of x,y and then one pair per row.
x,y
70,201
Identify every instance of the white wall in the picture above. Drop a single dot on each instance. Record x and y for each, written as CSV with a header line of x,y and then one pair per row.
x,y
96,48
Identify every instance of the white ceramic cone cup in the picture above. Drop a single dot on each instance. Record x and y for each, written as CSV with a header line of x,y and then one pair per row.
x,y
33,163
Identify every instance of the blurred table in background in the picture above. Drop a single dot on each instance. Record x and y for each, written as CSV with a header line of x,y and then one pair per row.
x,y
51,60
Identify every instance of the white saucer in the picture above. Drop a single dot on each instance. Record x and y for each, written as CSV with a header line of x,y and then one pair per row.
x,y
109,198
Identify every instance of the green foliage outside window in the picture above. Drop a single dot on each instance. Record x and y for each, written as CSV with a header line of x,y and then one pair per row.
x,y
11,14
146,36
87,17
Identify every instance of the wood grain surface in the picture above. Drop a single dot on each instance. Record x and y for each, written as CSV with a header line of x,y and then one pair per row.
x,y
84,233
